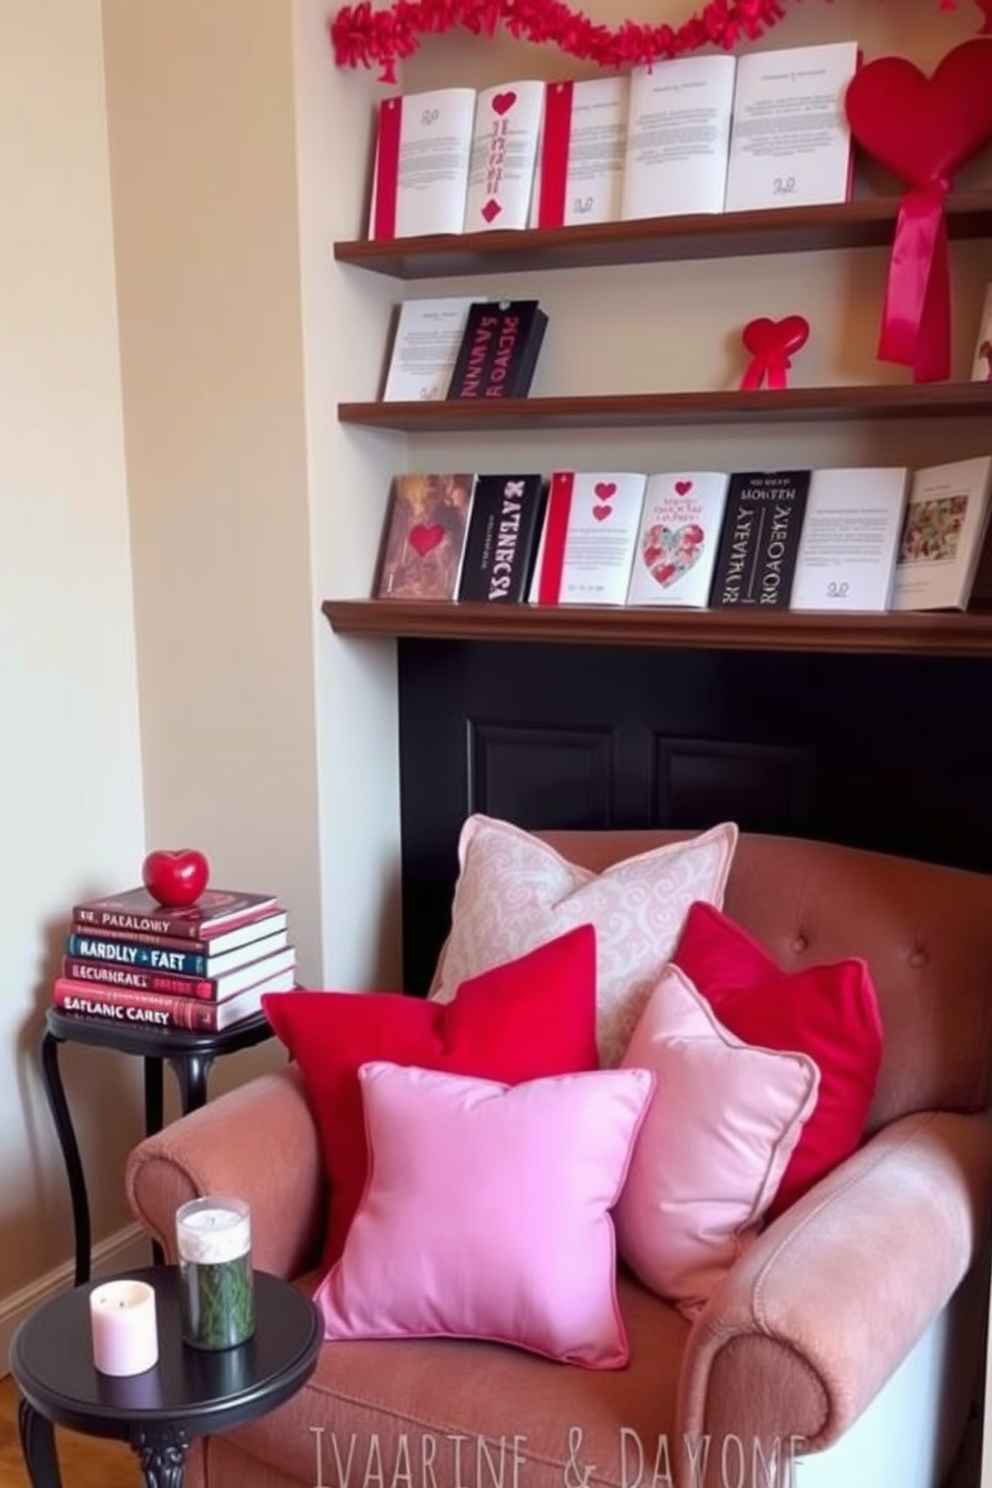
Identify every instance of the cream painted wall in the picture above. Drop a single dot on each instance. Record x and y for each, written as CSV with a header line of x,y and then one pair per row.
x,y
70,787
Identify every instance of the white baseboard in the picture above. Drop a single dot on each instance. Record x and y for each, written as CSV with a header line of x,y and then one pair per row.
x,y
130,1248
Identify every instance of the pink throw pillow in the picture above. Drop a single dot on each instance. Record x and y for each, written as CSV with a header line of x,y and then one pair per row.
x,y
521,1020
829,1012
514,891
486,1213
719,1131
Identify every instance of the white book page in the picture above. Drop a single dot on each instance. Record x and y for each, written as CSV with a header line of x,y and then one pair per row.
x,y
678,130
435,148
679,536
982,369
790,145
503,156
597,145
425,347
604,518
946,521
850,537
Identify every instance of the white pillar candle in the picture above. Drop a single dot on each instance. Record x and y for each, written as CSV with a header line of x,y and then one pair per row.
x,y
210,1231
122,1321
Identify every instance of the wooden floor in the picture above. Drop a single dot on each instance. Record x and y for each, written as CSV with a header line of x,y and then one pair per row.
x,y
84,1459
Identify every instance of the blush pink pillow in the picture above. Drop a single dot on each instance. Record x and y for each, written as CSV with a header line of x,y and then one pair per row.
x,y
829,1012
709,1157
514,892
487,1212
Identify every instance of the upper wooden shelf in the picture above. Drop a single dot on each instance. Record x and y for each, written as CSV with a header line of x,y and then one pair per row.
x,y
869,223
786,630
653,410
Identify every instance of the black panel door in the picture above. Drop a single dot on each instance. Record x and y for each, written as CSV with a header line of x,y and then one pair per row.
x,y
893,753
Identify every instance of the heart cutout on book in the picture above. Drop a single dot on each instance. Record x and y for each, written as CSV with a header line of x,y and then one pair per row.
x,y
423,539
923,128
669,552
503,102
605,490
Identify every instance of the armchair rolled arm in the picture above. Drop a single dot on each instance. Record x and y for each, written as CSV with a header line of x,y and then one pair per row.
x,y
258,1142
824,1306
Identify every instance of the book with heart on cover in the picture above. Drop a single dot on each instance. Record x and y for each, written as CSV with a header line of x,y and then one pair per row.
x,y
588,538
424,537
504,156
947,518
681,520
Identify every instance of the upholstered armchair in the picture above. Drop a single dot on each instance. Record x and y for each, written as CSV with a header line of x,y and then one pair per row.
x,y
843,1345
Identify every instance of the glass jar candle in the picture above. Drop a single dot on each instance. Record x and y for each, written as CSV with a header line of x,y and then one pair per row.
x,y
216,1292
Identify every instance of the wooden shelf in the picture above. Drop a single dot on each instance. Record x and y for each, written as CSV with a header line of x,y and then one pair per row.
x,y
893,634
655,410
859,224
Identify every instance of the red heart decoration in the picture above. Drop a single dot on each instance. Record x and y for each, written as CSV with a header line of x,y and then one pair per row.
x,y
923,129
785,336
985,6
425,538
503,102
682,488
605,489
602,512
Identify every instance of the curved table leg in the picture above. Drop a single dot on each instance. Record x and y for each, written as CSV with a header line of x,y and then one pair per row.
x,y
37,1437
59,1107
161,1450
191,1071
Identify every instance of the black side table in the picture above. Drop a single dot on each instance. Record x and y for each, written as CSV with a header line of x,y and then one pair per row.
x,y
190,1054
189,1393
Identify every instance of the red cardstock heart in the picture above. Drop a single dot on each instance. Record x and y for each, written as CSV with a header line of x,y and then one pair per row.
x,y
503,102
682,488
924,129
605,490
764,336
425,538
602,512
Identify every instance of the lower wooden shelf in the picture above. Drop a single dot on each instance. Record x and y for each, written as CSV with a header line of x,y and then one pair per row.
x,y
921,634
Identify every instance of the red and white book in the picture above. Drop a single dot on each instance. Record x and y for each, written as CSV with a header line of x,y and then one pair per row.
x,y
588,540
422,153
158,1010
504,156
790,142
579,175
678,136
681,522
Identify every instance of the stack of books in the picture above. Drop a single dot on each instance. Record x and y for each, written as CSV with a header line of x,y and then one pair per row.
x,y
203,968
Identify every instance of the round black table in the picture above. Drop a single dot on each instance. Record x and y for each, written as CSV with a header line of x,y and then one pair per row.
x,y
189,1054
190,1392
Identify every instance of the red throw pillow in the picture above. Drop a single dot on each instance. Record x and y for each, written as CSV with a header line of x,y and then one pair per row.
x,y
522,1020
829,1013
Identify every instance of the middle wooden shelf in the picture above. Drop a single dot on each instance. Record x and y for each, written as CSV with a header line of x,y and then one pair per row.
x,y
657,410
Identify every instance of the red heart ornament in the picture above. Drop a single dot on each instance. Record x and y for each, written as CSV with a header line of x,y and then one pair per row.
x,y
771,344
923,129
503,102
425,538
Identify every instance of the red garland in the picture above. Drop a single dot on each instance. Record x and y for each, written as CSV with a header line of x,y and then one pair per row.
x,y
365,37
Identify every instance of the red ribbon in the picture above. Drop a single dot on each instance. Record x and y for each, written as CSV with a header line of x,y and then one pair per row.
x,y
916,319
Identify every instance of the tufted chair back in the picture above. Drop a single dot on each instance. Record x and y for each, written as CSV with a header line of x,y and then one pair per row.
x,y
924,929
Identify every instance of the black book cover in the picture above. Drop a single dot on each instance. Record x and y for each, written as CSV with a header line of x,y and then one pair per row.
x,y
502,538
499,348
759,543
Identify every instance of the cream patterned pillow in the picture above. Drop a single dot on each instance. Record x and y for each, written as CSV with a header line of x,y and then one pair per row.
x,y
514,892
